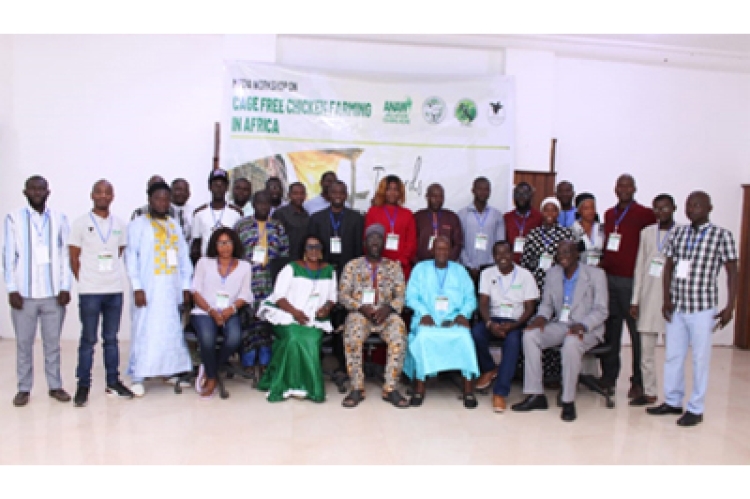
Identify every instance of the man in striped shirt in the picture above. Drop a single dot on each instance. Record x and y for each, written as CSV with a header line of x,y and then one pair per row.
x,y
37,277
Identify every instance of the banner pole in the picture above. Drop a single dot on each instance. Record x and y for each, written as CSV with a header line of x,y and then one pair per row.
x,y
217,144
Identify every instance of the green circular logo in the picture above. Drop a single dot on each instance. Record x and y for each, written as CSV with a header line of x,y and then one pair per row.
x,y
466,111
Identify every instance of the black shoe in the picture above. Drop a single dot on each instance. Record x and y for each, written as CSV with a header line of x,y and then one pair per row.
x,y
605,385
82,396
642,400
119,390
21,399
690,419
661,410
568,411
531,403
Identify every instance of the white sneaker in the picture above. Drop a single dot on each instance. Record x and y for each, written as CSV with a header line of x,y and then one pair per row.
x,y
138,389
173,380
200,379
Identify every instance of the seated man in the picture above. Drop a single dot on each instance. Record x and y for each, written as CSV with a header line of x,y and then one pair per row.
x,y
442,296
572,314
372,290
507,298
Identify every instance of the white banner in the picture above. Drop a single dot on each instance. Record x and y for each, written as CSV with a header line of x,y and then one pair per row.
x,y
297,124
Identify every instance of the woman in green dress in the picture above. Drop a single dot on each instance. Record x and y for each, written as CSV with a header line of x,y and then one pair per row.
x,y
302,298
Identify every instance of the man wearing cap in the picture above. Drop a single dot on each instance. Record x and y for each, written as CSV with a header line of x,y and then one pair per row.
x,y
210,216
159,269
372,289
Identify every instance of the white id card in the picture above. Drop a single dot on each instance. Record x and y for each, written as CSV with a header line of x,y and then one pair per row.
x,y
313,298
42,255
432,240
105,261
222,300
613,243
655,267
441,303
518,244
683,269
480,242
171,257
259,254
592,260
368,296
335,245
565,313
391,242
545,261
506,310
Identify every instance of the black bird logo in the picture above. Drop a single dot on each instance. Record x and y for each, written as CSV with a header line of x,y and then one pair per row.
x,y
496,107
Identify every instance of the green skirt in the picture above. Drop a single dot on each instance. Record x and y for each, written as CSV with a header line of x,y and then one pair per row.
x,y
295,368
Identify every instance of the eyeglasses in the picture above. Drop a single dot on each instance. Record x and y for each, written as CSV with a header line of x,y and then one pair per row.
x,y
224,243
314,247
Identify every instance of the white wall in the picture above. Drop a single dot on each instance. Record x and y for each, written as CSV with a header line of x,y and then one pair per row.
x,y
76,108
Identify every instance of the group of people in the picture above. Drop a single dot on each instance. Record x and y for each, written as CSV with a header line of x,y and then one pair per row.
x,y
530,279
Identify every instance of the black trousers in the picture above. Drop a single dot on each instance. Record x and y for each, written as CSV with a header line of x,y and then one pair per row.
x,y
620,293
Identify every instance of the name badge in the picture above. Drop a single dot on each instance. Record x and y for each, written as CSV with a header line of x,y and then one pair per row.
x,y
432,240
335,245
506,310
105,261
656,267
222,299
368,296
41,254
683,269
592,260
441,303
480,242
313,298
259,254
565,313
518,244
116,232
391,242
171,257
545,261
613,243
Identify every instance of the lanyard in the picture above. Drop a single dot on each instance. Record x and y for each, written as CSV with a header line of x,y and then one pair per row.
x,y
441,282
481,221
594,230
310,272
569,286
98,230
336,224
229,270
619,219
660,242
510,286
217,223
164,227
262,235
690,245
547,240
521,226
45,219
436,222
373,273
391,219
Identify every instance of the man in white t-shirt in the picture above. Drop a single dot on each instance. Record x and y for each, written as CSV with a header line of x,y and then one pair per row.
x,y
181,210
210,216
97,240
507,299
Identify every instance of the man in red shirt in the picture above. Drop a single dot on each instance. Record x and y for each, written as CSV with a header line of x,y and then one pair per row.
x,y
622,234
521,221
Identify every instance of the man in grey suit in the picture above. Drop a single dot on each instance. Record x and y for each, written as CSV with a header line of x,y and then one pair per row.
x,y
572,314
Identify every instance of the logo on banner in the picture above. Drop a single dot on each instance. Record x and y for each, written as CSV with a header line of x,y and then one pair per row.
x,y
433,110
496,113
397,111
466,111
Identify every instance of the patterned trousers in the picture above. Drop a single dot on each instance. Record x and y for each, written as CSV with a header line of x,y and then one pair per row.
x,y
357,329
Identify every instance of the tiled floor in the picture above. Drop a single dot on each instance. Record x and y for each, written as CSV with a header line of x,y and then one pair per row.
x,y
164,428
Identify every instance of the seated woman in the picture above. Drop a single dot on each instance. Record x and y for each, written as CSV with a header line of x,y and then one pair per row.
x,y
302,298
442,296
221,285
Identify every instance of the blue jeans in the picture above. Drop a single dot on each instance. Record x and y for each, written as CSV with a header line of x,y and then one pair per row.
x,y
207,330
511,350
109,307
684,331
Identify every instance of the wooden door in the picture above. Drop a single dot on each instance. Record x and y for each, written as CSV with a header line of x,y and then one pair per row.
x,y
542,182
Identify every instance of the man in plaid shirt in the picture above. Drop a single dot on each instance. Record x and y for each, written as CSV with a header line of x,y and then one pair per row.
x,y
695,254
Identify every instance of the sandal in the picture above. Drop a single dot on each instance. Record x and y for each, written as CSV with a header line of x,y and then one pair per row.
x,y
470,401
416,399
353,399
396,399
